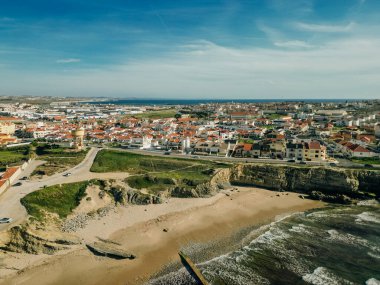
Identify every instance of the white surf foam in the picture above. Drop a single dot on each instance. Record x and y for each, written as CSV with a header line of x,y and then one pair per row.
x,y
300,228
322,276
347,238
368,217
372,281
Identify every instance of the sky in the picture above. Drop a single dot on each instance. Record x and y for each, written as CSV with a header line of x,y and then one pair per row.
x,y
182,49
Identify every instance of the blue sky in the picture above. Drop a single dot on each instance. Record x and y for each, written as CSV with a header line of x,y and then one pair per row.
x,y
191,49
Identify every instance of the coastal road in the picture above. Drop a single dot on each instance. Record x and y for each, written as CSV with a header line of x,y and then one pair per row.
x,y
10,205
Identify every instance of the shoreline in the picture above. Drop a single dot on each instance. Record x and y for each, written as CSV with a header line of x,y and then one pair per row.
x,y
189,222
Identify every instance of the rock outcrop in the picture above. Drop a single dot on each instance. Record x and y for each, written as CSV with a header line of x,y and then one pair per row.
x,y
330,182
220,180
27,239
109,250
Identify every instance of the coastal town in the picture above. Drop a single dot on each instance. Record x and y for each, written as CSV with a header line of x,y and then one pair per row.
x,y
304,132
93,178
325,133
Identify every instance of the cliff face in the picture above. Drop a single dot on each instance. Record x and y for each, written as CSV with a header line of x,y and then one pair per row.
x,y
330,181
220,180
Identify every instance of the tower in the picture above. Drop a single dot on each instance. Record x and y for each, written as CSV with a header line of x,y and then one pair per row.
x,y
78,135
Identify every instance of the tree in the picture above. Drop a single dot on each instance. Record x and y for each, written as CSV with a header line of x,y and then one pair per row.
x,y
177,116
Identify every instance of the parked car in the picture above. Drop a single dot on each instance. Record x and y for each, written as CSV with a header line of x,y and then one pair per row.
x,y
302,162
291,160
17,184
24,178
5,220
333,164
67,174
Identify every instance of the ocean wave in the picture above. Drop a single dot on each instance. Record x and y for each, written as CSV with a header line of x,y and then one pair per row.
x,y
270,236
300,228
372,281
180,277
232,272
347,238
322,276
374,254
368,217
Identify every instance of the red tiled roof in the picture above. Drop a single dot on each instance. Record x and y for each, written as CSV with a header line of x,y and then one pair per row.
x,y
9,172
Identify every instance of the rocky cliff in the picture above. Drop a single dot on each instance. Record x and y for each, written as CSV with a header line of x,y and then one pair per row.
x,y
328,181
220,180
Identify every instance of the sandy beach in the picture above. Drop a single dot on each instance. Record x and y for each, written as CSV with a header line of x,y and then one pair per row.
x,y
140,230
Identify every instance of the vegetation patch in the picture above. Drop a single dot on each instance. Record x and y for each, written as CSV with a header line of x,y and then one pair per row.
x,y
57,158
59,199
367,160
114,161
14,156
156,173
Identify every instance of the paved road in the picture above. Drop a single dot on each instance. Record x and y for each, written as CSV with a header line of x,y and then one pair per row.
x,y
10,200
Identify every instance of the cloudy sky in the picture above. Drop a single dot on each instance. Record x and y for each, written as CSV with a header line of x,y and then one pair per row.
x,y
265,49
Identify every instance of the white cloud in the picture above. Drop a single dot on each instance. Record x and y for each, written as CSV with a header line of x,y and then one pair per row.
x,y
68,60
345,68
322,28
293,44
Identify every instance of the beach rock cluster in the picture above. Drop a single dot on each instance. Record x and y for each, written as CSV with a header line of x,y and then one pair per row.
x,y
73,224
324,183
337,198
81,220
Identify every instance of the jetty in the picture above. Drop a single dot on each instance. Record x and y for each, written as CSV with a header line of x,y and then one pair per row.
x,y
196,272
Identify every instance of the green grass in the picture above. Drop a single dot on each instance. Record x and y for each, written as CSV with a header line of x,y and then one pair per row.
x,y
58,199
155,173
115,161
57,160
153,183
366,160
13,156
161,114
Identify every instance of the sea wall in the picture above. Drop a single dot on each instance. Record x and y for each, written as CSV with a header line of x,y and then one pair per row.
x,y
353,183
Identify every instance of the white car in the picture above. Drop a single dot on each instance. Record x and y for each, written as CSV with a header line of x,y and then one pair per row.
x,y
5,220
67,174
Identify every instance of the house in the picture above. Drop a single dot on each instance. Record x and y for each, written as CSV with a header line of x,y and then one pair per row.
x,y
314,151
355,150
306,151
294,150
8,177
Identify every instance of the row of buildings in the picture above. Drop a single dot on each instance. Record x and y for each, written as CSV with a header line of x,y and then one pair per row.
x,y
279,130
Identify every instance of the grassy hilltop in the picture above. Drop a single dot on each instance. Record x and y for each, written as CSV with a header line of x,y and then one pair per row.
x,y
153,172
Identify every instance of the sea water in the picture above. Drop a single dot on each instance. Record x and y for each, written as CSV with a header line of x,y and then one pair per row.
x,y
333,245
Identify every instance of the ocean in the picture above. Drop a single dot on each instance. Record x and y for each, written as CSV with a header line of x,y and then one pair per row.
x,y
333,245
140,102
